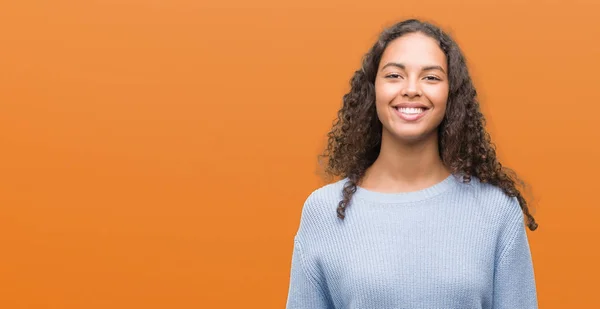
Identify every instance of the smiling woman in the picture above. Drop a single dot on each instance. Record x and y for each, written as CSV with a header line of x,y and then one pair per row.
x,y
435,220
411,88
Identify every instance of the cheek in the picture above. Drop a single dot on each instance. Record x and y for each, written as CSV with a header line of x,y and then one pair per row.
x,y
386,90
385,93
438,96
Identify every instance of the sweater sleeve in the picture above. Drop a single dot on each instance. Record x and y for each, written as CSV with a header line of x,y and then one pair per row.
x,y
305,291
514,280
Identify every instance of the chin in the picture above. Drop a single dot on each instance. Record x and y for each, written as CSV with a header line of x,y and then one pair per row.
x,y
412,137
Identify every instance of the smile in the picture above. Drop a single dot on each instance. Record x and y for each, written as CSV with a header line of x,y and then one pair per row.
x,y
410,113
410,110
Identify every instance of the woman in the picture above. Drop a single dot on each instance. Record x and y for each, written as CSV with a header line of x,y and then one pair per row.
x,y
426,215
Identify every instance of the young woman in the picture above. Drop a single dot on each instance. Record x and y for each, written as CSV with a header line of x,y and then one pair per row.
x,y
424,216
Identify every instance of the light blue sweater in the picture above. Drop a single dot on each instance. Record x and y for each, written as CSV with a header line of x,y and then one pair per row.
x,y
453,245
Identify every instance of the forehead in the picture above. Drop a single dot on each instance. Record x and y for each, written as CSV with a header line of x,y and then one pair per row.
x,y
414,49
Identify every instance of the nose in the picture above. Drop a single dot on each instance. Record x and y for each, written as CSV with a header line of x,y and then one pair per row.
x,y
411,89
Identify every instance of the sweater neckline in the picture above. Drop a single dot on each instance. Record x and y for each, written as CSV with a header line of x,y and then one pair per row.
x,y
410,196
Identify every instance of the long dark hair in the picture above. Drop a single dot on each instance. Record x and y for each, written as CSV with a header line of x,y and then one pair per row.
x,y
465,146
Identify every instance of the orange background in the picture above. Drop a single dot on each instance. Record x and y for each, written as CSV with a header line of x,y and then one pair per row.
x,y
156,154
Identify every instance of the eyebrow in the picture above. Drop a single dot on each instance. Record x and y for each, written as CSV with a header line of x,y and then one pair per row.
x,y
402,66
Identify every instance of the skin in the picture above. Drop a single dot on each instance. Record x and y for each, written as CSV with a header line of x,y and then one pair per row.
x,y
412,70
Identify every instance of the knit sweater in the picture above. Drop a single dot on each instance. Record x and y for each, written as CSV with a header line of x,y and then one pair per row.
x,y
452,245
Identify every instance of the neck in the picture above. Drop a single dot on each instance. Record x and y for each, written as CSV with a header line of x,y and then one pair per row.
x,y
403,167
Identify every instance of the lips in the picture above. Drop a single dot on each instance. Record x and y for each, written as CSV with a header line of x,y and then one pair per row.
x,y
411,105
410,111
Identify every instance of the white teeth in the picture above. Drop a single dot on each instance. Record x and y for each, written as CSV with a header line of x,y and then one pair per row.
x,y
410,110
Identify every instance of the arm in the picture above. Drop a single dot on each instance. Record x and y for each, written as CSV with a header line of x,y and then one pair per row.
x,y
305,290
514,280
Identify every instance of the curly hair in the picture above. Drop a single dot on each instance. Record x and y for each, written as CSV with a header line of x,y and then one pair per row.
x,y
465,146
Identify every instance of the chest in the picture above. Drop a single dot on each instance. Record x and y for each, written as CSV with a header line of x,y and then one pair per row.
x,y
409,267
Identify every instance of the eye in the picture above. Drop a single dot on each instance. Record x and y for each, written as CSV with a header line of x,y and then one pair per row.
x,y
393,75
430,77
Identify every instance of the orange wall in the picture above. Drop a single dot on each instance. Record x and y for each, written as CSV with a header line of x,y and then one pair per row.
x,y
156,154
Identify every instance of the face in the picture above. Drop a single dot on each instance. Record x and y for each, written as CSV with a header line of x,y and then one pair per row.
x,y
411,88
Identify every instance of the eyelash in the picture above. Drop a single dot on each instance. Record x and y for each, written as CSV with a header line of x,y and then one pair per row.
x,y
398,75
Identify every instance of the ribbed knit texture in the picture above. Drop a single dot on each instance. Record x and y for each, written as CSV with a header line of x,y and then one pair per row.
x,y
453,245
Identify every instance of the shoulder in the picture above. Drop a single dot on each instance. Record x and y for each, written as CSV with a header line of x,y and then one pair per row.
x,y
323,199
502,214
492,196
319,209
494,199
